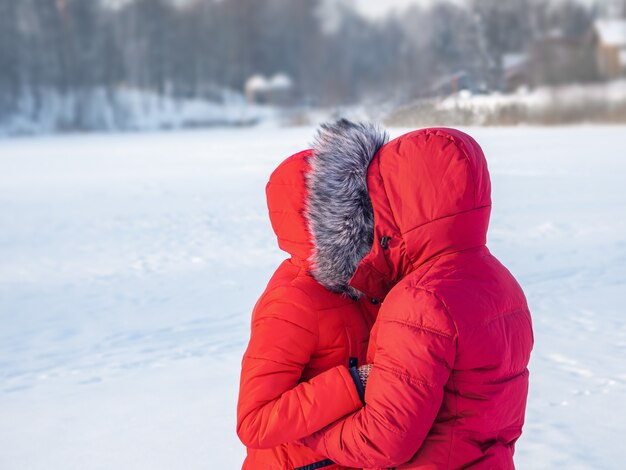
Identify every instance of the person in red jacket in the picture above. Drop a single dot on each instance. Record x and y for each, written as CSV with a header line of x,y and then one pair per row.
x,y
450,347
295,376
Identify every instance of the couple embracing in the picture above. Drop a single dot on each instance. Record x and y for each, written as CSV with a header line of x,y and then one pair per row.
x,y
392,337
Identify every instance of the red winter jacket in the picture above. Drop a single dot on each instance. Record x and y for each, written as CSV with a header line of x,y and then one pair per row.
x,y
452,340
294,377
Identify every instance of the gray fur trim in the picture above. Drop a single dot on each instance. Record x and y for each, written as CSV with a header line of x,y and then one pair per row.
x,y
339,210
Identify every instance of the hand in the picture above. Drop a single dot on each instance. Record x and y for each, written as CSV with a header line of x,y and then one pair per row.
x,y
364,373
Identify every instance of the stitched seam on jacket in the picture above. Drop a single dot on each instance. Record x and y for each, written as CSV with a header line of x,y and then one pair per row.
x,y
398,373
305,293
365,458
373,268
256,358
349,385
521,375
513,427
387,426
290,285
510,313
419,327
433,262
295,242
276,317
435,259
370,462
456,398
456,420
334,307
461,147
318,312
306,421
445,217
267,302
382,183
445,308
504,379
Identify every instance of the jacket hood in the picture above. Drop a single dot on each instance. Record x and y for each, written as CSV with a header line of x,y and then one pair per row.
x,y
339,212
428,191
286,194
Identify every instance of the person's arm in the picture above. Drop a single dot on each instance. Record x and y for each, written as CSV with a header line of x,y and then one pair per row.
x,y
414,355
273,407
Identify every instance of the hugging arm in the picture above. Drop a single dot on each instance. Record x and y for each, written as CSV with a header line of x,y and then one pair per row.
x,y
274,406
413,359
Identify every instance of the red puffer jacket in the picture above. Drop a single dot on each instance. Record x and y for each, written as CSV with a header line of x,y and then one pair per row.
x,y
452,340
294,377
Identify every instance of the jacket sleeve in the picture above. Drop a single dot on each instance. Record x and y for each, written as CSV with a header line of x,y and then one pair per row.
x,y
413,358
274,406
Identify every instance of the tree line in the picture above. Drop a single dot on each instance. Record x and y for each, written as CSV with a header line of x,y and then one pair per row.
x,y
195,48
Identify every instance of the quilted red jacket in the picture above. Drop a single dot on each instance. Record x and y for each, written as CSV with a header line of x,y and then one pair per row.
x,y
453,337
294,373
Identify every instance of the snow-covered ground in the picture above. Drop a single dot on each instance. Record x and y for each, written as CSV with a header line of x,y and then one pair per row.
x,y
129,265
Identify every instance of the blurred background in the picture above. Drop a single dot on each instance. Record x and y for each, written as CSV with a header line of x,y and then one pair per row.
x,y
136,138
92,65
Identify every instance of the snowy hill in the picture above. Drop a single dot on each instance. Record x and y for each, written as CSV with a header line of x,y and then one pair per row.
x,y
565,104
126,109
129,265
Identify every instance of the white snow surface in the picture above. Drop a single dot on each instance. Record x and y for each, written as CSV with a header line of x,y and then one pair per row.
x,y
129,265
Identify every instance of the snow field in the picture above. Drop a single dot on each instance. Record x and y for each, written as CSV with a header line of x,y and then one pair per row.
x,y
129,265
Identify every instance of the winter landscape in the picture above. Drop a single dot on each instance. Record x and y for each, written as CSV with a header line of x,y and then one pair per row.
x,y
129,265
130,262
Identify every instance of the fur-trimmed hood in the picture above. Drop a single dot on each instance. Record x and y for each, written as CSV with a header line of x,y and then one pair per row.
x,y
339,211
377,210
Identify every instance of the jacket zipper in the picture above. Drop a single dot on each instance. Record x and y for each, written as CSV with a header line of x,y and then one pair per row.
x,y
316,465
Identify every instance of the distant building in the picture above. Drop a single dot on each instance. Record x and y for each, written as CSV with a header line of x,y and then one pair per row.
x,y
281,89
609,39
552,59
515,71
557,59
256,89
276,91
455,83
